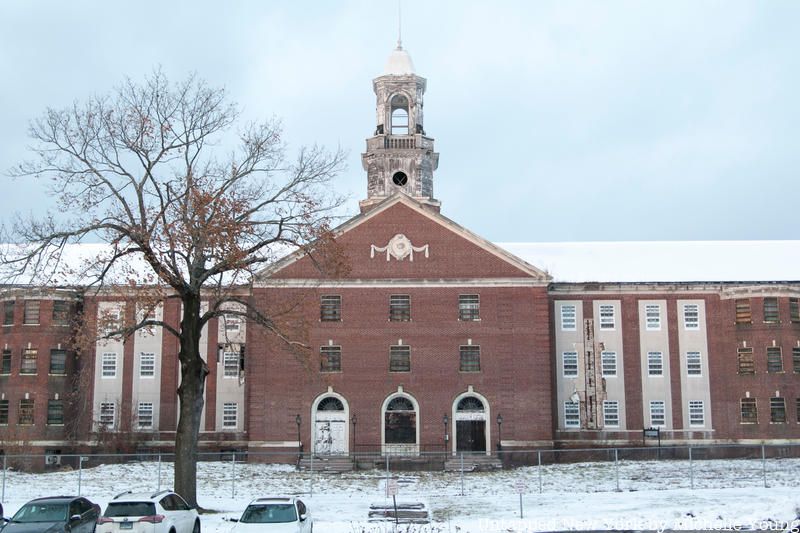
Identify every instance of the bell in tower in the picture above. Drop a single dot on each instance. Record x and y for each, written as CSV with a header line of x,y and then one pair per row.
x,y
399,156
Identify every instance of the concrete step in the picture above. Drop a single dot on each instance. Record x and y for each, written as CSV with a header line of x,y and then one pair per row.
x,y
330,464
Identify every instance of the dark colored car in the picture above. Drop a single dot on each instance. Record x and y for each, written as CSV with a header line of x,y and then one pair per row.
x,y
56,514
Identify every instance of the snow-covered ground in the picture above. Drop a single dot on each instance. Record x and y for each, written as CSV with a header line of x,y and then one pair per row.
x,y
653,494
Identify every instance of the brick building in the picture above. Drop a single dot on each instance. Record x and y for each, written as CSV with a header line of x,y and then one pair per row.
x,y
435,339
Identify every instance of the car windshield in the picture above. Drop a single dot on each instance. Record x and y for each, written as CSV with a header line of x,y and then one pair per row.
x,y
116,509
270,513
41,512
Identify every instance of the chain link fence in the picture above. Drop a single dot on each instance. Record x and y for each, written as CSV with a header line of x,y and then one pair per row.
x,y
239,473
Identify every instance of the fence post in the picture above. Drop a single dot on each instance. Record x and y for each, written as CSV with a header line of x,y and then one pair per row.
x,y
691,469
462,473
80,472
159,473
3,496
233,475
540,471
764,465
387,473
311,479
616,467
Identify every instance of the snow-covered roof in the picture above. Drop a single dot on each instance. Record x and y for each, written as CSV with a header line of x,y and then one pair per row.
x,y
663,261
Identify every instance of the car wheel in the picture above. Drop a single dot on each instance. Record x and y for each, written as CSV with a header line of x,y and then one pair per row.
x,y
196,528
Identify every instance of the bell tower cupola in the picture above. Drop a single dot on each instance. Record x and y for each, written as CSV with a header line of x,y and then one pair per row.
x,y
400,155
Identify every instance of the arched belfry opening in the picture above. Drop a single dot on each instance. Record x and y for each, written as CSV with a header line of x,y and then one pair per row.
x,y
400,115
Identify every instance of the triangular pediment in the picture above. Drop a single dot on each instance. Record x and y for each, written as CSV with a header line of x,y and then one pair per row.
x,y
401,239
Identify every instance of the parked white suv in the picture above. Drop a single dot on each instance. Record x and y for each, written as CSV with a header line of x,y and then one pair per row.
x,y
276,514
159,512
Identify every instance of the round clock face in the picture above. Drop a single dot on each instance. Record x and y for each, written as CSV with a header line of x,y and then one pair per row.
x,y
399,179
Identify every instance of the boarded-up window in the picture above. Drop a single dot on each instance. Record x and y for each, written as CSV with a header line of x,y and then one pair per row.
x,y
58,362
8,313
60,313
31,316
3,412
746,363
469,307
399,308
330,308
771,314
29,357
749,411
794,309
470,358
796,359
26,407
400,358
55,413
743,314
330,358
777,410
774,359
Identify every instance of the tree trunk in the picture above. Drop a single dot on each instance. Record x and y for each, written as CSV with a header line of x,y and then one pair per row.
x,y
190,394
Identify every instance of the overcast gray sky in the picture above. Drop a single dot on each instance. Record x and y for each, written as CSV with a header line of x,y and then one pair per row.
x,y
555,121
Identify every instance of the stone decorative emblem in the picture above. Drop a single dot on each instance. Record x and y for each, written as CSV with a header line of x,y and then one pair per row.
x,y
398,247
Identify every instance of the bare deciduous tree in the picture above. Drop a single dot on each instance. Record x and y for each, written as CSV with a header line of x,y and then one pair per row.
x,y
141,171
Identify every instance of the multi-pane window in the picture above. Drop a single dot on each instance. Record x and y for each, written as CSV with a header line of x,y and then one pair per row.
x,y
29,357
774,359
147,365
652,314
771,310
230,362
607,318
31,316
655,364
469,358
572,415
58,362
609,363
611,413
794,309
8,313
330,359
797,409
230,414
26,407
746,362
469,307
697,413
3,412
570,364
5,363
55,413
400,358
777,410
568,317
796,359
399,308
330,308
691,316
60,313
144,415
109,365
657,414
694,364
108,414
749,411
743,314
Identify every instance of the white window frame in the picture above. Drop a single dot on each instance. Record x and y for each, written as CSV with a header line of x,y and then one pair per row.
x,y
142,414
611,413
108,409
147,360
654,370
566,370
572,414
697,413
608,360
659,405
692,324
608,317
230,415
230,364
108,365
694,364
569,320
652,314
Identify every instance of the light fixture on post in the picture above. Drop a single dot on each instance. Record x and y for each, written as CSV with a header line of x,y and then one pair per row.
x,y
499,433
298,421
445,419
354,420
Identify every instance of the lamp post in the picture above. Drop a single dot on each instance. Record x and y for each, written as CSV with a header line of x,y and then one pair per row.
x,y
354,420
298,421
499,433
445,419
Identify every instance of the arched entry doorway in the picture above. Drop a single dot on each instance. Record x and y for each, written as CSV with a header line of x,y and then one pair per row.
x,y
400,425
470,413
330,425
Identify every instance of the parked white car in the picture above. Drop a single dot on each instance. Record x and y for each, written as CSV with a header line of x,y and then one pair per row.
x,y
159,512
275,514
